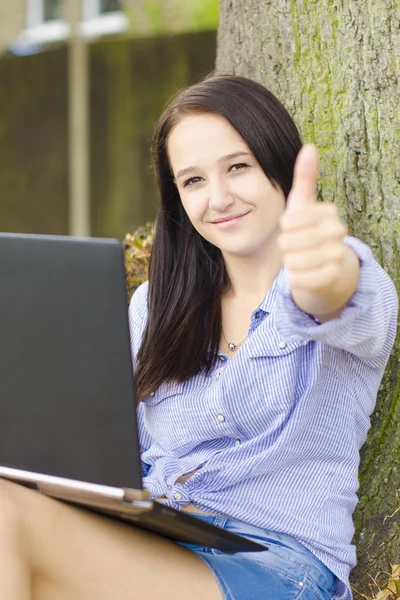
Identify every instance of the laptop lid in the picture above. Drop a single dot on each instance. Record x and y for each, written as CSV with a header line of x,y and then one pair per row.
x,y
67,398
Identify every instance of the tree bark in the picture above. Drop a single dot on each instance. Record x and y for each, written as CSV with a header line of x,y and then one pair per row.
x,y
335,65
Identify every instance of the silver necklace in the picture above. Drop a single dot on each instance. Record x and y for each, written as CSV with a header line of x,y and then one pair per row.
x,y
231,345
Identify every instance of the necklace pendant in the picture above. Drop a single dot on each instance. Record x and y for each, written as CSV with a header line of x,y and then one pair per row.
x,y
232,346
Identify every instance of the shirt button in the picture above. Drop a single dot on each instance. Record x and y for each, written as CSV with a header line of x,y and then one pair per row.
x,y
222,358
237,442
282,345
170,487
257,314
178,496
152,394
221,418
217,374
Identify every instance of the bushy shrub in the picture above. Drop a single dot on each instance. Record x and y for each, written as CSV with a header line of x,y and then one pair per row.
x,y
137,248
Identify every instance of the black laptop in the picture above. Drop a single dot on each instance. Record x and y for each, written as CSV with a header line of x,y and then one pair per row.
x,y
67,398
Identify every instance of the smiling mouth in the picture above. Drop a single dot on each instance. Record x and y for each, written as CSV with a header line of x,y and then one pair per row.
x,y
229,219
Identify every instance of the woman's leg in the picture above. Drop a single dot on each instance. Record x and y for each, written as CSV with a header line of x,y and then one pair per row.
x,y
52,551
14,575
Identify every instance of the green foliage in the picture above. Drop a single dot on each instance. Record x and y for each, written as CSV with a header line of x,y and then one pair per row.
x,y
153,17
200,15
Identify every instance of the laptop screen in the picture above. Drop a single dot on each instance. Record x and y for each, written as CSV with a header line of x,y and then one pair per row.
x,y
67,399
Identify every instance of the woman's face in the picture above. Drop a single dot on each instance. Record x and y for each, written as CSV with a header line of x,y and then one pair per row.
x,y
223,189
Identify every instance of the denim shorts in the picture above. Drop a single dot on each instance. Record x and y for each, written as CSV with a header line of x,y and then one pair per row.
x,y
286,571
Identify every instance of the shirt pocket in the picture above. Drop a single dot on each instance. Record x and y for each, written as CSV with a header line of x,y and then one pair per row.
x,y
278,365
269,343
271,380
163,417
164,391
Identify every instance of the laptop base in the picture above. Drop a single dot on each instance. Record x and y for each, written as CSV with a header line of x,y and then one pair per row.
x,y
133,507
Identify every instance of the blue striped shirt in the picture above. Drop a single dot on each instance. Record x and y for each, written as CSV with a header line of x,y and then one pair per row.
x,y
275,431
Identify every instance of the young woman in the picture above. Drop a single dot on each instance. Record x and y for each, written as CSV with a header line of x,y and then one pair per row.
x,y
257,369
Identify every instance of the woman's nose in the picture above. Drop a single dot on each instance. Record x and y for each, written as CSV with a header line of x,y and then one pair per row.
x,y
220,196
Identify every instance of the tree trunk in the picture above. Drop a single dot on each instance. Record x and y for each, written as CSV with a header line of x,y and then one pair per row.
x,y
335,65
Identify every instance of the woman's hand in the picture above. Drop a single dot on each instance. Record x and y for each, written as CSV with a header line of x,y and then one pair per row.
x,y
323,270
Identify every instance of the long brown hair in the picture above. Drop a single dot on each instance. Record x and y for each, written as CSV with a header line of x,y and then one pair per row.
x,y
187,274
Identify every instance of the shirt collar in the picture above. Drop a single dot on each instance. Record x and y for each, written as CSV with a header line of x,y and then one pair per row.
x,y
268,304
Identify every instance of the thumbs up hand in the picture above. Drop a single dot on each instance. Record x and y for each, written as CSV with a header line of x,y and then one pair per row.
x,y
323,271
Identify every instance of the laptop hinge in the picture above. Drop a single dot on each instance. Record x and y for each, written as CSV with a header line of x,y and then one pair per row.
x,y
103,501
131,495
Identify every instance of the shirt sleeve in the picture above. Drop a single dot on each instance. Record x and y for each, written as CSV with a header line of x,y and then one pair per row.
x,y
146,441
137,323
137,319
366,327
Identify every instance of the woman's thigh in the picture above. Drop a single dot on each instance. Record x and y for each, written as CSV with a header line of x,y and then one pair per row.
x,y
73,553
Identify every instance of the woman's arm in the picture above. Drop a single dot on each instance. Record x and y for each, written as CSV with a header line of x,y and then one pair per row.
x,y
366,326
332,289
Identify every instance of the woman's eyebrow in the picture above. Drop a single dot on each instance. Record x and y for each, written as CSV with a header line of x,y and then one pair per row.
x,y
220,160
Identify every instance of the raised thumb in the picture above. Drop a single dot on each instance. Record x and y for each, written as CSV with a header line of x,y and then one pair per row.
x,y
305,178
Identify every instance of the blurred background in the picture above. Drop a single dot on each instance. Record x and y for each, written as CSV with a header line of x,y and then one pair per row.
x,y
82,83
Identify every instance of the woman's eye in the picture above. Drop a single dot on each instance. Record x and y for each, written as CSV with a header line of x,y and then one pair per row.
x,y
191,181
239,167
